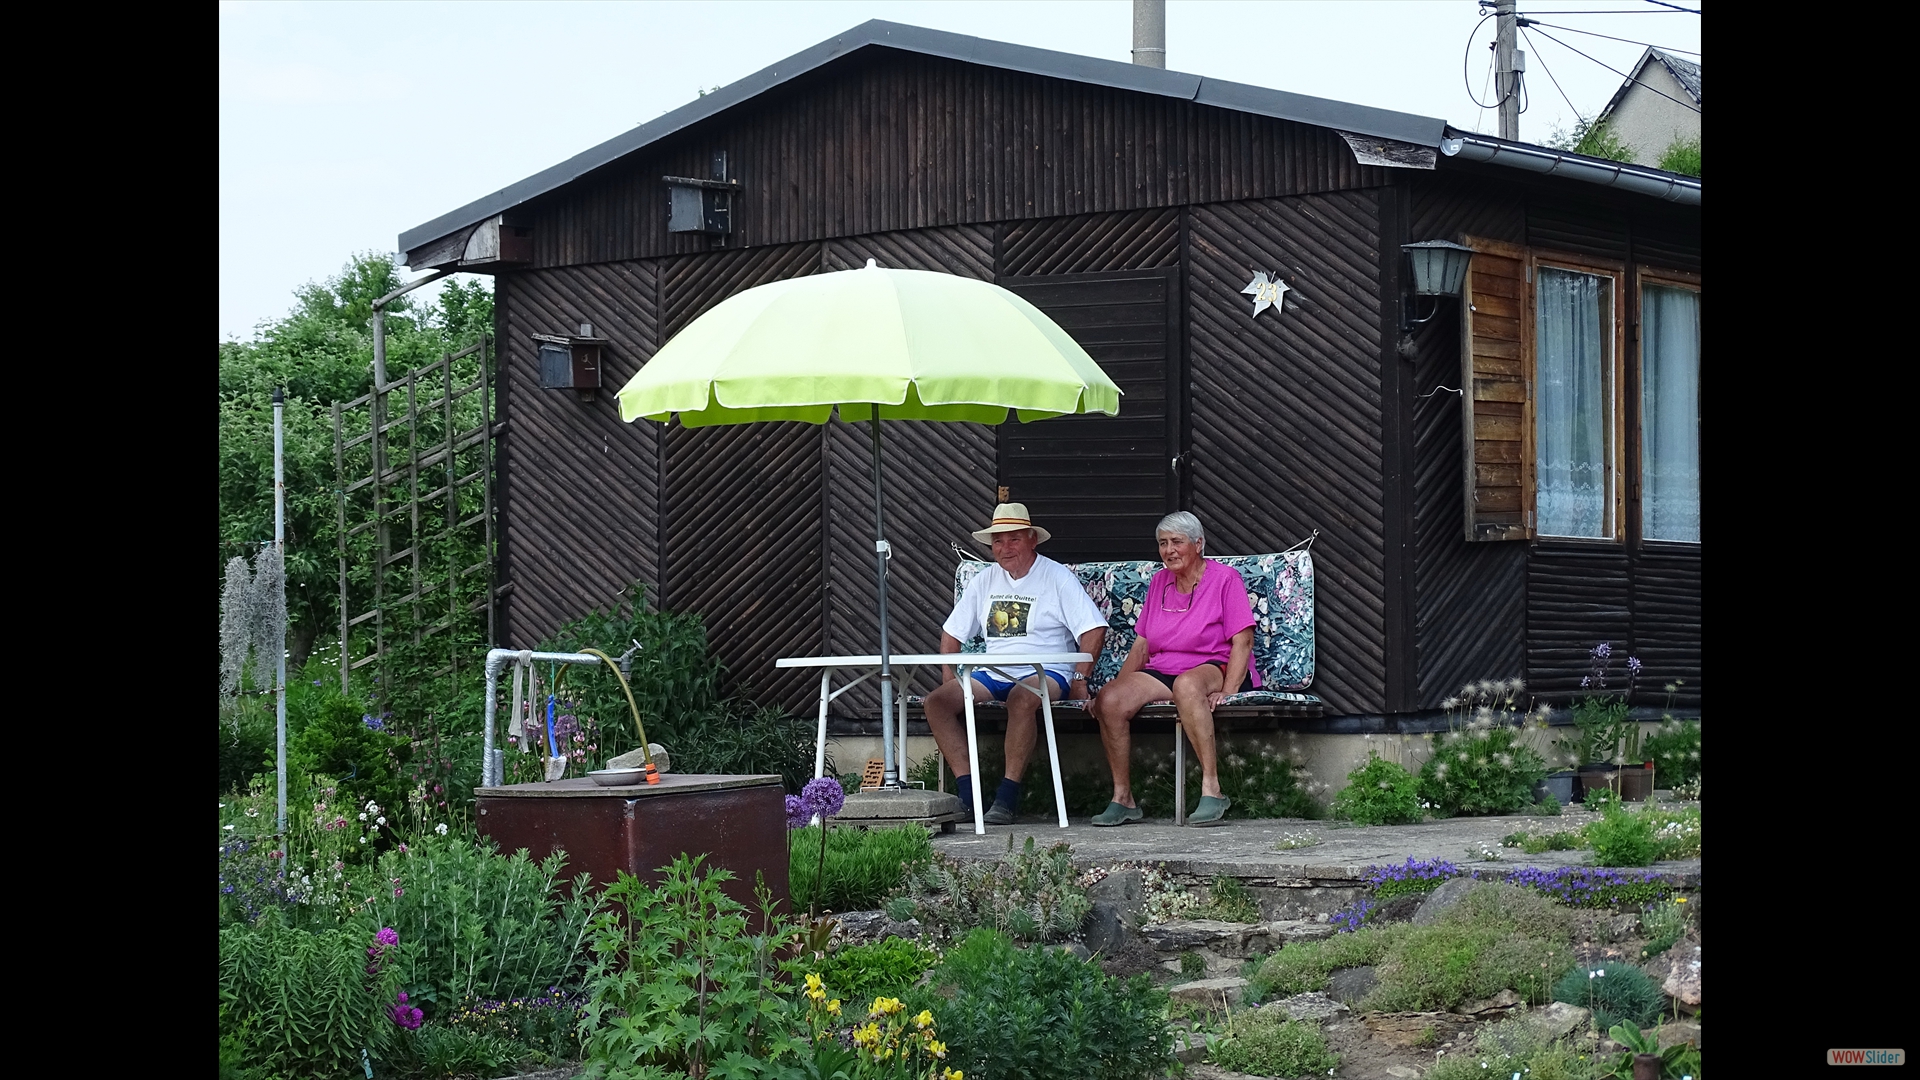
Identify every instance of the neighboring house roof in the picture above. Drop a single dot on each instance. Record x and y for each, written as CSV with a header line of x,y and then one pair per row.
x,y
1345,117
1684,72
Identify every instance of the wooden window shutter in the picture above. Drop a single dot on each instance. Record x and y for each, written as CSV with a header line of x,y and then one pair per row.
x,y
1493,328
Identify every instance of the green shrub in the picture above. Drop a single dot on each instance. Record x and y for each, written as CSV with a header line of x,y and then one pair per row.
x,y
1379,793
247,744
863,865
1674,749
1498,937
1682,156
860,973
1263,780
337,740
1513,1046
1665,922
1676,833
1621,838
1042,1013
304,1003
451,1051
1481,770
1032,895
474,924
677,983
1305,965
1265,1043
1615,991
1229,901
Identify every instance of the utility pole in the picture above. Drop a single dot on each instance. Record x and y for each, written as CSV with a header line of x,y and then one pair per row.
x,y
1150,33
1508,64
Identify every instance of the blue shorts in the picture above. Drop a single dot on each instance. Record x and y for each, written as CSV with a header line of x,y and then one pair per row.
x,y
1000,689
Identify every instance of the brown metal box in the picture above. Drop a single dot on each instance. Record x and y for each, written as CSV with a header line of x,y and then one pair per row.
x,y
738,822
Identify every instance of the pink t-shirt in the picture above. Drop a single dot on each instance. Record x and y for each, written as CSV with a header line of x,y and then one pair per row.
x,y
1182,635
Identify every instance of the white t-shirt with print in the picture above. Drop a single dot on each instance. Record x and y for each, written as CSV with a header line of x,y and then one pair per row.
x,y
1044,612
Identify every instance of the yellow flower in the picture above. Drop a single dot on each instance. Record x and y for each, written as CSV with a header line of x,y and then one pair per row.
x,y
866,1036
833,1007
813,982
937,1048
885,1006
952,1074
924,1020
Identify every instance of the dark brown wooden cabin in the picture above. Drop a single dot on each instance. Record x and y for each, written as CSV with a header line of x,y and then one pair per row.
x,y
1133,205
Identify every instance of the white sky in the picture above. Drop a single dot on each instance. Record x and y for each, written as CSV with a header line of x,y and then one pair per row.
x,y
342,124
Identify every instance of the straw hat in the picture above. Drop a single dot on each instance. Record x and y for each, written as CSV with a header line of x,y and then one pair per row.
x,y
1008,517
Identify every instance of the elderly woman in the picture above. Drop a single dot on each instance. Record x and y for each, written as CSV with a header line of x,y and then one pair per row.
x,y
1194,643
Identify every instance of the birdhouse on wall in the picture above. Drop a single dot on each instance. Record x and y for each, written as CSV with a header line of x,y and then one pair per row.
x,y
702,206
571,361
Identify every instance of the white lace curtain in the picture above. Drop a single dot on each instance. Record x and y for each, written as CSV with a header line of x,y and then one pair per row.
x,y
1572,414
1670,413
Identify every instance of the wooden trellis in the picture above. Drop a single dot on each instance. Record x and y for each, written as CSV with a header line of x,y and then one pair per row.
x,y
413,466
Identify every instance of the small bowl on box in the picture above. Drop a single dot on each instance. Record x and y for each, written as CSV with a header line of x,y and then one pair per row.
x,y
618,777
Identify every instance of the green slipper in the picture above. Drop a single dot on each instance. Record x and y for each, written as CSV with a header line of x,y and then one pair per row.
x,y
1210,811
1115,814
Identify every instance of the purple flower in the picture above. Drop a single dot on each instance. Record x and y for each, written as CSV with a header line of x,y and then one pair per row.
x,y
1603,650
797,815
1633,664
823,796
406,1015
373,723
387,936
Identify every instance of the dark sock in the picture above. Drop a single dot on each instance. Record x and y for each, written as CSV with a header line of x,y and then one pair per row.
x,y
963,787
1009,793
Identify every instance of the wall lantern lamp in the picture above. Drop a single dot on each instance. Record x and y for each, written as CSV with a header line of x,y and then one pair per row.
x,y
571,361
1439,269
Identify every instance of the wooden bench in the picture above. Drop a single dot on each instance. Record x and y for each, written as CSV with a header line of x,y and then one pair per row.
x,y
1280,591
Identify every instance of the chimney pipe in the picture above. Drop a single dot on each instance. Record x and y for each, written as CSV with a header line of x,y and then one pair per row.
x,y
1150,33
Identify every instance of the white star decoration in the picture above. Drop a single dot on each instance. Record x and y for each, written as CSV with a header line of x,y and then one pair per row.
x,y
1266,293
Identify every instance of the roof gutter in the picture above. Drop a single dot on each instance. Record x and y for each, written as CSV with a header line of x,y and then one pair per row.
x,y
1671,187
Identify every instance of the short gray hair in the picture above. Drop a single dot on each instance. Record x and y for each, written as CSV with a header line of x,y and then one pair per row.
x,y
1181,524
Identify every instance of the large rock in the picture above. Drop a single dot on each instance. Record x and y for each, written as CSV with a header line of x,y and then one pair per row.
x,y
1314,1006
1105,930
1498,1005
860,927
1209,993
1442,898
1683,983
1351,984
1555,1021
1286,931
1399,909
1684,1031
1415,1030
1238,940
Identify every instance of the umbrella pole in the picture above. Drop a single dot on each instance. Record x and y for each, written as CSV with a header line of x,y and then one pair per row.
x,y
891,777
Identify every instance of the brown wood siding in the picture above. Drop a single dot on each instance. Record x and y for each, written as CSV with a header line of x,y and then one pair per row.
x,y
939,481
741,504
1286,411
1469,599
902,142
1091,244
580,525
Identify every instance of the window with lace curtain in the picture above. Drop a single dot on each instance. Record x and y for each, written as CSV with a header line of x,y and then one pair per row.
x,y
1669,409
1575,403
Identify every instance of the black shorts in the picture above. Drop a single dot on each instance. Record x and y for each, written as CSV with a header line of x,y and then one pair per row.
x,y
1246,681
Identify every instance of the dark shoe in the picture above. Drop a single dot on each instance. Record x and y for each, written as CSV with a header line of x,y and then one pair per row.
x,y
1000,814
1115,814
1210,811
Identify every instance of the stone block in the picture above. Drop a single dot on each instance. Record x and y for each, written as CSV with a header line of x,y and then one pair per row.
x,y
1314,1006
1351,984
1238,940
1209,993
1442,898
1555,1021
1285,931
1675,1034
904,804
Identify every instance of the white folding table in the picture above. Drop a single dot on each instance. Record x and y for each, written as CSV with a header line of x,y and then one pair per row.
x,y
966,664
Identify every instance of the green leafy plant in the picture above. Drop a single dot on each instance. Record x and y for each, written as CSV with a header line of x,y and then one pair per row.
x,y
1192,965
1497,937
1229,900
1665,922
1591,138
1622,838
1380,792
1480,769
1615,991
309,1002
1302,966
1674,749
1263,1042
1676,1061
1682,156
451,1051
1032,895
862,865
474,924
1042,1013
1548,806
1512,1046
886,968
678,982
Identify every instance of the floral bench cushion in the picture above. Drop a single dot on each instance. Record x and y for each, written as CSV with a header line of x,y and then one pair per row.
x,y
1279,589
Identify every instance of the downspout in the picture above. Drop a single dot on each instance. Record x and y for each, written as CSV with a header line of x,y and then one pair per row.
x,y
1538,159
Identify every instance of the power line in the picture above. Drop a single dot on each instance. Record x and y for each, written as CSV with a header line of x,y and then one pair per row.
x,y
1524,21
1556,82
1676,7
1620,73
1466,55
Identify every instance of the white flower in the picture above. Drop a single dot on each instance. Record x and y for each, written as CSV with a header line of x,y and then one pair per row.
x,y
363,817
441,828
229,828
372,807
382,820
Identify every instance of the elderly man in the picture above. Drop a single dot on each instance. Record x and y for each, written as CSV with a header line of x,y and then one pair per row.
x,y
1023,603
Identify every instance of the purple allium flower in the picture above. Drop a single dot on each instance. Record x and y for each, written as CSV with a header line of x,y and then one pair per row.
x,y
1603,650
823,796
797,816
406,1015
387,936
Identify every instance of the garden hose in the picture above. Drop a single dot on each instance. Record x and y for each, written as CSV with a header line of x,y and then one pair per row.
x,y
653,775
